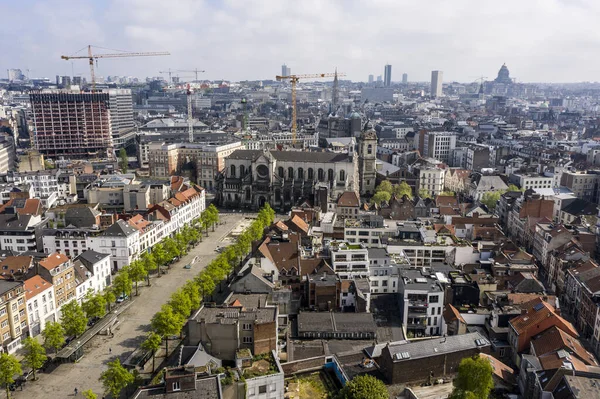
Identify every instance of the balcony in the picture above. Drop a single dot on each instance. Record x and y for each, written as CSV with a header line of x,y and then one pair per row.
x,y
417,303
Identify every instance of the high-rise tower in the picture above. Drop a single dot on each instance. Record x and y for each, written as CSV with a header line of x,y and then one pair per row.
x,y
387,76
436,83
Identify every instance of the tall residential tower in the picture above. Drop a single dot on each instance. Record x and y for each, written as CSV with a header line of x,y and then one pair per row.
x,y
387,73
436,83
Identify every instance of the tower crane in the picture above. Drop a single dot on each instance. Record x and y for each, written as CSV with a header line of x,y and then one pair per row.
x,y
196,71
169,72
94,57
294,80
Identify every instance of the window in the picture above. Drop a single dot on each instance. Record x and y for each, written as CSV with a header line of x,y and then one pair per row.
x,y
330,175
434,299
247,326
301,173
290,173
280,171
439,311
4,324
262,389
20,301
6,336
176,386
321,174
369,149
247,340
311,174
342,175
232,173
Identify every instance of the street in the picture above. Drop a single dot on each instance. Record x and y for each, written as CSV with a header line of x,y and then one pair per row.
x,y
133,326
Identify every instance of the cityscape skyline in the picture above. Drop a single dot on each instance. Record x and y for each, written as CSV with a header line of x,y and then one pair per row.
x,y
277,31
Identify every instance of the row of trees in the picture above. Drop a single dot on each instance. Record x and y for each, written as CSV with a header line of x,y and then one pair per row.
x,y
171,318
386,190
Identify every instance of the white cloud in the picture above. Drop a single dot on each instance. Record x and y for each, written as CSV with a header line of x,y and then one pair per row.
x,y
539,40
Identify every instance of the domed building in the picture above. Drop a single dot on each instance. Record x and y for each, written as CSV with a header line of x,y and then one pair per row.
x,y
503,75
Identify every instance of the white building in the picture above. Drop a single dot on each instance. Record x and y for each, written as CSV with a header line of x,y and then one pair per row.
x,y
39,295
423,303
97,266
384,270
121,241
439,145
369,231
350,261
432,180
48,185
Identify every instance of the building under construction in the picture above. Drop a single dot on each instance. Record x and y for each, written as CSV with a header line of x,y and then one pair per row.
x,y
71,123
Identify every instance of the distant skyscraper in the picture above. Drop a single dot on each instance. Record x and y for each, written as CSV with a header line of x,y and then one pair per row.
x,y
404,78
387,72
436,83
379,79
371,78
285,71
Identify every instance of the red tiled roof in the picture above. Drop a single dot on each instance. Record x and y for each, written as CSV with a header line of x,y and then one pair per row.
x,y
501,370
348,198
451,314
554,339
301,224
53,261
533,317
35,285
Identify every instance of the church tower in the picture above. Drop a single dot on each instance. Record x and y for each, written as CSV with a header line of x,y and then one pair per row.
x,y
367,155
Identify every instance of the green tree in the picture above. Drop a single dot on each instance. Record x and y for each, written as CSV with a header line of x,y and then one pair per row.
x,y
364,387
73,319
181,303
171,248
160,254
9,367
381,197
137,273
386,186
214,215
152,343
205,284
192,290
447,193
89,394
54,336
403,189
149,264
512,187
94,305
167,322
35,354
123,161
122,282
424,193
182,243
115,378
474,379
109,296
490,199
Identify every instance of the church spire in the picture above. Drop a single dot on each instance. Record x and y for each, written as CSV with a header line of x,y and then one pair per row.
x,y
335,95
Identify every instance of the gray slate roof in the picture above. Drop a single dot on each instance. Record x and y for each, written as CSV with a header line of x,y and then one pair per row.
x,y
119,229
436,346
92,257
336,322
291,156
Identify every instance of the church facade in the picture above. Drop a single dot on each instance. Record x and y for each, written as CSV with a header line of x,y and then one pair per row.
x,y
252,178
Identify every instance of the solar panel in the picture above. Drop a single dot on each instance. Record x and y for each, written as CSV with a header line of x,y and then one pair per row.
x,y
538,307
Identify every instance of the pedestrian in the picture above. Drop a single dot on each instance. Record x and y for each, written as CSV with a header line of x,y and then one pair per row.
x,y
76,391
109,350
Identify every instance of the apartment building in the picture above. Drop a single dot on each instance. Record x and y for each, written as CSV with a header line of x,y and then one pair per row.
x,y
439,145
18,232
224,330
583,185
120,241
58,270
41,308
531,180
350,261
369,230
50,186
13,318
71,123
208,159
97,268
431,179
422,304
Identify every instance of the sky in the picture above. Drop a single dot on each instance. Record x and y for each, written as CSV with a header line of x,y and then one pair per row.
x,y
539,40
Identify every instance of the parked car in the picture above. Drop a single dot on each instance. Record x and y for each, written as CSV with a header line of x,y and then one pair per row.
x,y
93,321
194,260
122,297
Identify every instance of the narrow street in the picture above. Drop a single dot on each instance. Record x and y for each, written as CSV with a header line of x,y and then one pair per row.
x,y
134,324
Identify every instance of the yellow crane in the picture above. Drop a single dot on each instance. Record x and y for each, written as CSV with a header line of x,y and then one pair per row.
x,y
94,57
294,80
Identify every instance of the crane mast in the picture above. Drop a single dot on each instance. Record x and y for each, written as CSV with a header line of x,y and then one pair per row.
x,y
294,80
